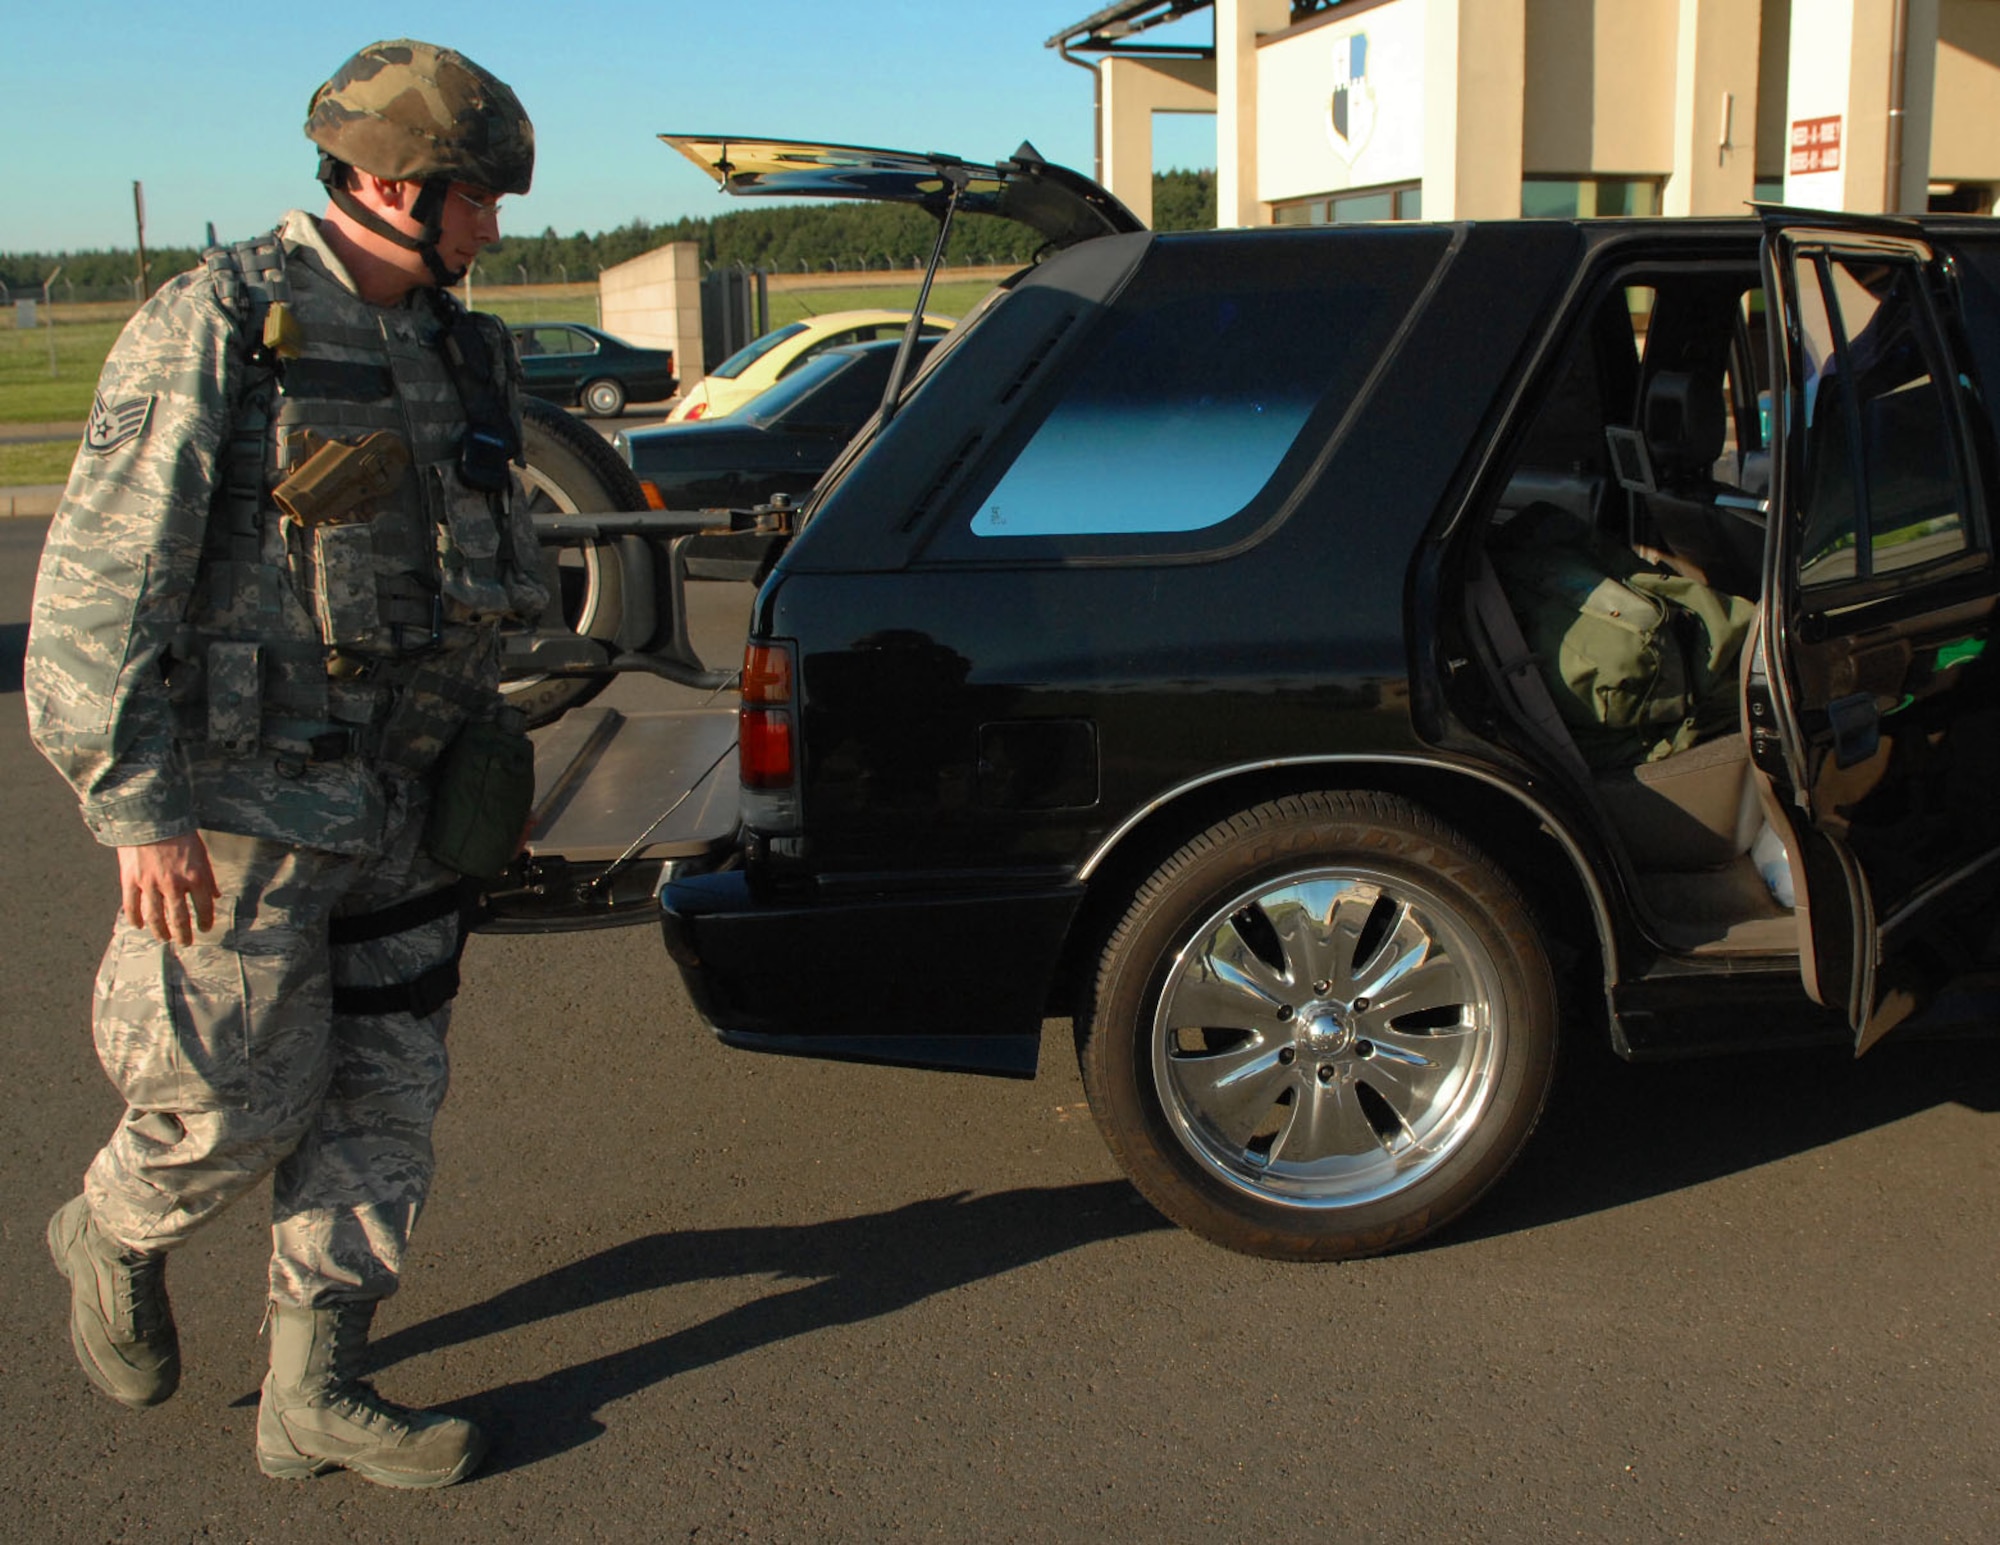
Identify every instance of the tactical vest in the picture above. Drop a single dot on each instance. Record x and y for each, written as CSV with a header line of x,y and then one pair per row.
x,y
373,632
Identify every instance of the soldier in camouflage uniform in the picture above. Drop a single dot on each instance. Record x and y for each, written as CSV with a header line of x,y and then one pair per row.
x,y
266,620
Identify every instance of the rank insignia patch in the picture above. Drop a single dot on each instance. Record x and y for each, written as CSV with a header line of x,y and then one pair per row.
x,y
112,424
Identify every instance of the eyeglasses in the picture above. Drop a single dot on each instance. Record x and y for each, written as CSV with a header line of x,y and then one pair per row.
x,y
480,206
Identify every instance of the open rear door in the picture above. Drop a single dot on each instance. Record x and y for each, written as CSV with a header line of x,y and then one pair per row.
x,y
1881,728
627,797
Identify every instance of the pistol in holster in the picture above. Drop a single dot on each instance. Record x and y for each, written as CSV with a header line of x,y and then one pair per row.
x,y
340,481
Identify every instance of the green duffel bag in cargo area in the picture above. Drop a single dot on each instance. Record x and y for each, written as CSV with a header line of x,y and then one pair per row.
x,y
1641,661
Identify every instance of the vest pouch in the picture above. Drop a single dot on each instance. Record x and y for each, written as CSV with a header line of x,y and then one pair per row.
x,y
483,794
344,598
235,697
436,699
468,551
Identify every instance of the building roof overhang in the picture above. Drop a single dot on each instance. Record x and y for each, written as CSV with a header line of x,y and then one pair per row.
x,y
1112,29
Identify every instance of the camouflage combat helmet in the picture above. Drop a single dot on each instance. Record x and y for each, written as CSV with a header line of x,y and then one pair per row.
x,y
415,112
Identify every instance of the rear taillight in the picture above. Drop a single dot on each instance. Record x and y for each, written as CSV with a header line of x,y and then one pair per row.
x,y
767,748
694,413
652,492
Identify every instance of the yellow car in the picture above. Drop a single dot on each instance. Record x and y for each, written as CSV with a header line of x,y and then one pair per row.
x,y
764,361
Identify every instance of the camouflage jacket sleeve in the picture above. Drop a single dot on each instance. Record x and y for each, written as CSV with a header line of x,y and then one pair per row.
x,y
120,565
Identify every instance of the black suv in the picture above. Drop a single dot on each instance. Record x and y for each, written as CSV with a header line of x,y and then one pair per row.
x,y
1163,660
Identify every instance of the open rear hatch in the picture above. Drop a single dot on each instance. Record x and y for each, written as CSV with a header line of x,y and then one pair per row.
x,y
622,795
1064,206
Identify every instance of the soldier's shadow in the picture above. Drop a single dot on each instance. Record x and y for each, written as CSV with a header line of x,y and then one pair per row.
x,y
848,1270
1613,1135
13,654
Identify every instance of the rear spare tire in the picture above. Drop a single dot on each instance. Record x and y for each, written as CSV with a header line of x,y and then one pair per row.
x,y
572,471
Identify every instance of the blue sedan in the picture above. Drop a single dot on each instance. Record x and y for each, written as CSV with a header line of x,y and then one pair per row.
x,y
575,365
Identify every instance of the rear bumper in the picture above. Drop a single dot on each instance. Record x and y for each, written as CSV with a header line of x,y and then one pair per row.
x,y
949,981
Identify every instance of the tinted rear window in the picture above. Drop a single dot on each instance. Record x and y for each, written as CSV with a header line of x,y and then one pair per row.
x,y
1174,425
1195,406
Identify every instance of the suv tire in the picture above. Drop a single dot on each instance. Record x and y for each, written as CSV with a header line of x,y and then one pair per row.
x,y
1324,1028
570,470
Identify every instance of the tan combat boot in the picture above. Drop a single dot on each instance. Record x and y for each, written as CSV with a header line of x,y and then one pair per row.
x,y
119,1319
318,1416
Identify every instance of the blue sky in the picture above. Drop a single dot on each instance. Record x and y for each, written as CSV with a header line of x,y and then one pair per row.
x,y
203,104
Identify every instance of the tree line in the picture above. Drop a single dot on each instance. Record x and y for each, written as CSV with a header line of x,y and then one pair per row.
x,y
792,239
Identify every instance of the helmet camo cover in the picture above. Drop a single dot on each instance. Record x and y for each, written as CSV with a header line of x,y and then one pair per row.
x,y
413,111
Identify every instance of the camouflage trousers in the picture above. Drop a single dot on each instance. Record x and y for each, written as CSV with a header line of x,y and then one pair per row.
x,y
235,1064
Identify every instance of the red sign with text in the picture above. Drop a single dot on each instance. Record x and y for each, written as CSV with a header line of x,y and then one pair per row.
x,y
1815,145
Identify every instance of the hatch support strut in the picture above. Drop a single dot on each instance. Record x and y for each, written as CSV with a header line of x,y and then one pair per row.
x,y
956,178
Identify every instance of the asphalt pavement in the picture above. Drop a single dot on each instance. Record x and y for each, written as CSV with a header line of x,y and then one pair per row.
x,y
700,1294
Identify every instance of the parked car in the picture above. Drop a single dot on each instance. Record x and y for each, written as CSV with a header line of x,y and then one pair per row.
x,y
779,444
764,361
1164,663
579,366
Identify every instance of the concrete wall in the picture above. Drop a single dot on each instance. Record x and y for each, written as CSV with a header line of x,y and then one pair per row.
x,y
1713,149
1774,64
1475,61
1303,147
1840,75
1132,90
1587,111
1238,25
655,300
1432,95
1965,125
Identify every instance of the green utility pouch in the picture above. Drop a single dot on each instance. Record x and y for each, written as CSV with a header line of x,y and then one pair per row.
x,y
484,789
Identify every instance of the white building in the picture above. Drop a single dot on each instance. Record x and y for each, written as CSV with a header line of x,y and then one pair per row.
x,y
1336,110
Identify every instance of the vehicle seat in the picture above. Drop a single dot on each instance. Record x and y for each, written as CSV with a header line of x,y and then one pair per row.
x,y
1710,528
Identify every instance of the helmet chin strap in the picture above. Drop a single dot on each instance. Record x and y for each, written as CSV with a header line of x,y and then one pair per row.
x,y
428,211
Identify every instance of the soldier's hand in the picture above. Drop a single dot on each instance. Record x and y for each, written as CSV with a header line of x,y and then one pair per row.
x,y
168,887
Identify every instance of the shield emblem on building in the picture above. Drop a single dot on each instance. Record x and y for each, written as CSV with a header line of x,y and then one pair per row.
x,y
1350,110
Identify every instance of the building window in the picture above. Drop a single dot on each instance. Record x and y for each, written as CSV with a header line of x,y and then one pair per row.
x,y
1573,198
1401,202
1961,198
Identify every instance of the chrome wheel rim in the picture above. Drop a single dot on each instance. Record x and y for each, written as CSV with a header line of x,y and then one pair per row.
x,y
1329,1038
583,599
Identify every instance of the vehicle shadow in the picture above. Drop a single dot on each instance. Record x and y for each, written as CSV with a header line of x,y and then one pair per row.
x,y
848,1270
1614,1134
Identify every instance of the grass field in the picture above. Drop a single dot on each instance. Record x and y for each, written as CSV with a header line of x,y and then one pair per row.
x,y
45,461
83,335
29,393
